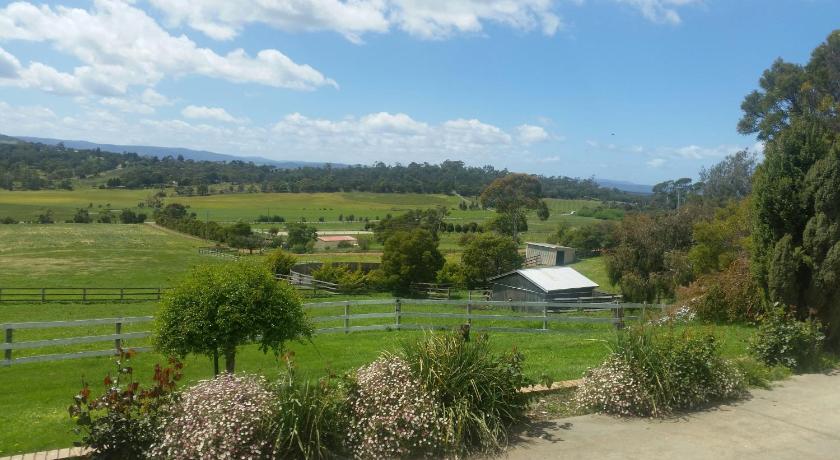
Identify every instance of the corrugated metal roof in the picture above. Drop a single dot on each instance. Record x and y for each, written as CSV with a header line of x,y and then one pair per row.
x,y
334,238
557,278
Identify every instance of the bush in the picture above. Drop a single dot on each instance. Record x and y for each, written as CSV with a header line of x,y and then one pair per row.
x,y
124,422
758,374
782,339
652,373
280,262
476,390
728,296
310,421
8,220
227,417
393,414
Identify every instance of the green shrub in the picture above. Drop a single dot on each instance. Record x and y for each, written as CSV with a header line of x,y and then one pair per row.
x,y
477,391
280,262
782,339
311,420
125,421
653,373
758,374
731,295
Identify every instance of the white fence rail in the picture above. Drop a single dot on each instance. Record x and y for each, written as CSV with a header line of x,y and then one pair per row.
x,y
499,316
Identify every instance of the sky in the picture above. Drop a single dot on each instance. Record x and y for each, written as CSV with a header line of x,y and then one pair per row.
x,y
634,90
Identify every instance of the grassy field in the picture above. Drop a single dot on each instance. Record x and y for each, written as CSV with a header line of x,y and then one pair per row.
x,y
88,255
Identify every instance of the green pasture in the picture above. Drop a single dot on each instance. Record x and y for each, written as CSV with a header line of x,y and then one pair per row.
x,y
89,255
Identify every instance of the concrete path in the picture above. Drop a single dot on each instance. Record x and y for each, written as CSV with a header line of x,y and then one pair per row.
x,y
799,419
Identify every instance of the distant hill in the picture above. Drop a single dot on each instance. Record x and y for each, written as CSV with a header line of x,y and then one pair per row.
x,y
160,152
626,186
7,140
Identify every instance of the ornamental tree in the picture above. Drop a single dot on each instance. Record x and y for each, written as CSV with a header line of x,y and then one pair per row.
x,y
218,307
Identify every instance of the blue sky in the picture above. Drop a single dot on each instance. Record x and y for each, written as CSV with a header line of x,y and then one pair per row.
x,y
636,90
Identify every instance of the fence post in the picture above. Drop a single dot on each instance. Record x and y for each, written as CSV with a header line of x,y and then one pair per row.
x,y
469,311
545,317
347,317
644,305
118,341
122,295
397,313
158,293
43,295
84,294
8,353
618,314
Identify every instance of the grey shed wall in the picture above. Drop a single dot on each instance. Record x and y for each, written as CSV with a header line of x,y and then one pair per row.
x,y
519,288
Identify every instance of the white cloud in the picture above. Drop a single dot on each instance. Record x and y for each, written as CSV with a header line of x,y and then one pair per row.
x,y
660,11
154,98
656,162
696,152
9,65
428,19
127,105
529,134
120,46
209,113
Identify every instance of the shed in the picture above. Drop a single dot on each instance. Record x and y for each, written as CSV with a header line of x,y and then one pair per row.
x,y
544,254
542,284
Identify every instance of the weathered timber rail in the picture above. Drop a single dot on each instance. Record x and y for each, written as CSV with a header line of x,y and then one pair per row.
x,y
79,294
360,315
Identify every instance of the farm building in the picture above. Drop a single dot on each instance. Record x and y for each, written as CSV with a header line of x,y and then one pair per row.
x,y
542,284
335,240
544,254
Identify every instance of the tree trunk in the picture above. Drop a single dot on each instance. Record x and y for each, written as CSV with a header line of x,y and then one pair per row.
x,y
216,362
230,360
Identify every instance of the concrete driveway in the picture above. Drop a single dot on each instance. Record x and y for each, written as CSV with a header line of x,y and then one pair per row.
x,y
798,419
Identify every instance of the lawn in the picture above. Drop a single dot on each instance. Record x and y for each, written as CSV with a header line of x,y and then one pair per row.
x,y
89,255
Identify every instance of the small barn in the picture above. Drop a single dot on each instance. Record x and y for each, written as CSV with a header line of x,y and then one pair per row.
x,y
334,240
544,254
542,284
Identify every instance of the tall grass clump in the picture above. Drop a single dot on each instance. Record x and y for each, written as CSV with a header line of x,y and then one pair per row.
x,y
311,420
655,371
476,390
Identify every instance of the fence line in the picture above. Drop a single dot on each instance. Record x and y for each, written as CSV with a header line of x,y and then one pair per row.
x,y
79,294
542,313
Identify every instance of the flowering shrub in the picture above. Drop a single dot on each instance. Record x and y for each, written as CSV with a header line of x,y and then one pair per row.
x,y
476,390
393,415
781,339
123,422
223,418
653,373
731,295
683,314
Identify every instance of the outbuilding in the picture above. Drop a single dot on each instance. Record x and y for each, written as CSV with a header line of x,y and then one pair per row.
x,y
542,284
544,254
335,240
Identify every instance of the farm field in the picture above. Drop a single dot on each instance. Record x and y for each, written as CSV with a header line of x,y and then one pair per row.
x,y
88,255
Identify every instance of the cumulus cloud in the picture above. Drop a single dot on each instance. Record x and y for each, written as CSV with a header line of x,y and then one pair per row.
x,y
529,134
119,46
656,162
209,113
428,19
660,11
9,65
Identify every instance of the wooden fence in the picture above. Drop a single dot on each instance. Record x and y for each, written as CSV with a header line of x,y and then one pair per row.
x,y
9,345
308,283
85,294
392,314
228,253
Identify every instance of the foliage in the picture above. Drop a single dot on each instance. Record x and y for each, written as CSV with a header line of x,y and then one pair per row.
x,y
82,216
731,295
721,239
730,179
226,417
300,234
653,372
512,196
672,194
280,262
796,217
782,339
311,420
487,255
410,257
216,308
175,216
758,374
476,390
127,216
393,414
430,220
588,239
124,421
649,260
451,273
